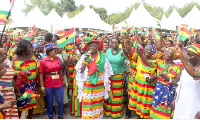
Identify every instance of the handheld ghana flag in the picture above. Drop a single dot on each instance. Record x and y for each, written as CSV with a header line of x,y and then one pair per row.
x,y
126,25
158,23
124,30
3,15
139,30
66,39
132,30
28,94
10,33
184,26
147,34
184,34
93,33
135,43
155,33
115,29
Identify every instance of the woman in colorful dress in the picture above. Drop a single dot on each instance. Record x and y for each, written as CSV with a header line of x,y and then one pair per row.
x,y
187,103
93,72
168,74
76,106
114,107
143,84
40,100
7,87
24,64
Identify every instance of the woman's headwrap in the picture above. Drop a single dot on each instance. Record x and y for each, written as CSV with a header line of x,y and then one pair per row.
x,y
35,45
195,49
152,48
172,48
20,38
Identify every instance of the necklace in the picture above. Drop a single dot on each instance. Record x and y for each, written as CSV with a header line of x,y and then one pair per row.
x,y
115,53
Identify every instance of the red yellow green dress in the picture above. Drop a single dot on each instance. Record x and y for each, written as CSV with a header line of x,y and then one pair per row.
x,y
20,66
142,91
164,93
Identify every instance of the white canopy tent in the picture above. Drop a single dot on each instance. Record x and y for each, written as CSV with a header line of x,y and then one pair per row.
x,y
174,20
140,18
34,17
89,19
53,20
65,22
164,23
193,18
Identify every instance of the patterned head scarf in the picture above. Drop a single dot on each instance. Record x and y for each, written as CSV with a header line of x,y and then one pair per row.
x,y
35,45
195,49
152,48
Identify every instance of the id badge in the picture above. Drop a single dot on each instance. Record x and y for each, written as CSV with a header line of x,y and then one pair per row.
x,y
54,77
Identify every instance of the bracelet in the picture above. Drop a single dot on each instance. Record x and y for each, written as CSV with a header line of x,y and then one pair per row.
x,y
85,62
42,88
170,80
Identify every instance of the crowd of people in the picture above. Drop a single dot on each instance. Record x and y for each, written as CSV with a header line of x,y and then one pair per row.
x,y
102,76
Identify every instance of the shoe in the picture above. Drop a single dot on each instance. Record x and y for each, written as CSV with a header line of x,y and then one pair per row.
x,y
60,117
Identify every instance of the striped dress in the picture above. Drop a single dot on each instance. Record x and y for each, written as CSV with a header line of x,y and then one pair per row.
x,y
75,106
92,96
30,65
142,91
164,93
71,72
8,92
114,107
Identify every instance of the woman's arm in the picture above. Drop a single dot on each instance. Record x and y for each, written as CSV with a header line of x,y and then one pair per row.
x,y
160,45
18,93
42,83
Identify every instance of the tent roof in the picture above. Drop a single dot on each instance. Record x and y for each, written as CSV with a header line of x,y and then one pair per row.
x,y
36,17
53,18
89,19
140,18
192,18
174,20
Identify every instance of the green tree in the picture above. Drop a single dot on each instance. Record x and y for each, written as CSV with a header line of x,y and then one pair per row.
x,y
77,11
65,6
187,8
155,11
45,6
169,11
101,11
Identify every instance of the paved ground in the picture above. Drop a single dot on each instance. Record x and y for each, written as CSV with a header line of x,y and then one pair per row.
x,y
68,116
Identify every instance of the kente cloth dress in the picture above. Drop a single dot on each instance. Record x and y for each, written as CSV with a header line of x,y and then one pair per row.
x,y
30,82
142,91
164,93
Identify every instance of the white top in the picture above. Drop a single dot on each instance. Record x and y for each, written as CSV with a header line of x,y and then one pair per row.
x,y
81,77
188,97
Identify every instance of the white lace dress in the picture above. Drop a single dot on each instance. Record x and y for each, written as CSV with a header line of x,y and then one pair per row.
x,y
188,97
92,96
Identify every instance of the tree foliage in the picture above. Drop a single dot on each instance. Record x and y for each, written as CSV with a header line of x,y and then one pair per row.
x,y
69,7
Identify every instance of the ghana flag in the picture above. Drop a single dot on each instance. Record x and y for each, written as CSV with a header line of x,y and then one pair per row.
x,y
61,33
126,25
69,48
123,30
158,23
155,33
115,29
135,43
184,34
93,33
66,39
3,15
139,30
10,33
132,30
28,94
147,34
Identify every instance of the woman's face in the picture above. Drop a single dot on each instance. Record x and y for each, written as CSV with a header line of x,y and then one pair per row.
x,y
110,44
93,47
36,51
105,46
115,43
29,49
3,55
192,57
17,40
180,43
149,42
59,50
168,44
41,47
156,43
148,52
169,54
81,49
53,53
